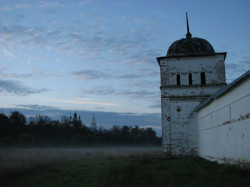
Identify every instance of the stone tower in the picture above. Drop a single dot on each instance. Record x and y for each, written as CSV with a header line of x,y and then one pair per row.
x,y
190,73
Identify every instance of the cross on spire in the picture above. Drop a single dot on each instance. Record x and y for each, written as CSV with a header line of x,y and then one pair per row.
x,y
188,35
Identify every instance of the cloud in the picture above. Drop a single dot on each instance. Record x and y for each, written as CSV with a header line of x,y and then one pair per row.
x,y
139,94
246,63
91,75
37,107
95,41
90,42
15,30
13,35
142,57
16,87
94,75
234,70
35,74
17,6
7,53
23,6
84,3
147,83
83,102
50,4
129,76
156,104
232,65
99,91
6,8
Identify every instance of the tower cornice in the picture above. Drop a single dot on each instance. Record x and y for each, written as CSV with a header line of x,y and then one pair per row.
x,y
187,56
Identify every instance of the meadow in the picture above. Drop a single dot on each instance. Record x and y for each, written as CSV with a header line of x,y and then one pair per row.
x,y
113,166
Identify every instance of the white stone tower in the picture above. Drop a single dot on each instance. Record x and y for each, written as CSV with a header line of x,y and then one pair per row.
x,y
190,72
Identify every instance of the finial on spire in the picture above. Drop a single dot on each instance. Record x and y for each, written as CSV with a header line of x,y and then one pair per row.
x,y
188,35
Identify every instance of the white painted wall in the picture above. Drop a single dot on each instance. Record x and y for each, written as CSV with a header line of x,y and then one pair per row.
x,y
224,135
183,127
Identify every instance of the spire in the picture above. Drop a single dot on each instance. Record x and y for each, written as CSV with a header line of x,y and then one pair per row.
x,y
93,123
188,35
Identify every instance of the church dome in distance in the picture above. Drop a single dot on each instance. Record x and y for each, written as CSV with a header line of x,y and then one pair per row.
x,y
190,46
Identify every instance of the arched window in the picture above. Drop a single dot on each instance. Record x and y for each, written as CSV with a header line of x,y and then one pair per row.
x,y
203,78
190,79
178,79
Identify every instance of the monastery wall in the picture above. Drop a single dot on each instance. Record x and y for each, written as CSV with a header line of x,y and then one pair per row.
x,y
224,126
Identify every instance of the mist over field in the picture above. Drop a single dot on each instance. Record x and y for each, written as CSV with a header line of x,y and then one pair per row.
x,y
112,166
14,161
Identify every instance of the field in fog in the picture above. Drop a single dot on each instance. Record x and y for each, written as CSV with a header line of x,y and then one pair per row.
x,y
15,161
112,167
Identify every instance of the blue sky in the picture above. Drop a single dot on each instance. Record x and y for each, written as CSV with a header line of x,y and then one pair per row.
x,y
100,55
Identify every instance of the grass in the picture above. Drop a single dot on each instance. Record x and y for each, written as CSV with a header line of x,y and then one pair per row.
x,y
132,170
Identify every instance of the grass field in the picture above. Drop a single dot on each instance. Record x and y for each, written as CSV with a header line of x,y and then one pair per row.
x,y
114,167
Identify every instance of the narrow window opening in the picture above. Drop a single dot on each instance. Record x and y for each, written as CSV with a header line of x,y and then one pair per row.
x,y
190,79
203,78
178,79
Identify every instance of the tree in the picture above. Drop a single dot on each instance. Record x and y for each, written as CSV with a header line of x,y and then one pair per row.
x,y
135,132
3,117
25,139
17,124
116,130
42,120
4,125
125,131
17,117
150,133
65,120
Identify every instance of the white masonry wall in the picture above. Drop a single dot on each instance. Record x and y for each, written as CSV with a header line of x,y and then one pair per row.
x,y
224,126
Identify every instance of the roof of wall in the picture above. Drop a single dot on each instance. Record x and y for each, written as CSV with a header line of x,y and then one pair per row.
x,y
223,91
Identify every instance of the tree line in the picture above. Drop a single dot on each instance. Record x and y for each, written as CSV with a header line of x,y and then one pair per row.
x,y
69,131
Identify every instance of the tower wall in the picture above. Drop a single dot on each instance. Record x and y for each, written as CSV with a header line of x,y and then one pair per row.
x,y
180,97
212,65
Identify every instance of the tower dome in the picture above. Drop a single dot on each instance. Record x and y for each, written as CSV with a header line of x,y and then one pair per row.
x,y
190,46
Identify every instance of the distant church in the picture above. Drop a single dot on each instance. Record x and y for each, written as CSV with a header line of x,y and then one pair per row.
x,y
93,123
192,73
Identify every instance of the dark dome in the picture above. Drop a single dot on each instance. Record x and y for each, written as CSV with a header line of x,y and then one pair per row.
x,y
190,46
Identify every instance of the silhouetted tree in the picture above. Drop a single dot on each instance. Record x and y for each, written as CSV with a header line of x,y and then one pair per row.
x,y
4,125
150,133
135,131
17,117
17,122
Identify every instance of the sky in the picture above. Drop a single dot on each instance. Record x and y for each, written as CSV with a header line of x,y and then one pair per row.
x,y
100,55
